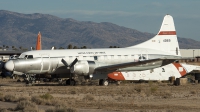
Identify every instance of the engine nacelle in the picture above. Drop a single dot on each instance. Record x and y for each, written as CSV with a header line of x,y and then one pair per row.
x,y
83,67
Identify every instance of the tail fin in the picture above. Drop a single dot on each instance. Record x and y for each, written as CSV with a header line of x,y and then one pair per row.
x,y
38,44
165,40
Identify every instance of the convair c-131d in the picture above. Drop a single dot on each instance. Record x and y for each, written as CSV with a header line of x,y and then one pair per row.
x,y
160,50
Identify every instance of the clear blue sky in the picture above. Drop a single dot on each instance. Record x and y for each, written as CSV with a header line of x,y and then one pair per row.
x,y
143,15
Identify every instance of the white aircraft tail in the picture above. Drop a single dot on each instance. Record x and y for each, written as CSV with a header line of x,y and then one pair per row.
x,y
165,40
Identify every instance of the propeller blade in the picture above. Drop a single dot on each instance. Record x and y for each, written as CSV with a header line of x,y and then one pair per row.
x,y
64,62
73,63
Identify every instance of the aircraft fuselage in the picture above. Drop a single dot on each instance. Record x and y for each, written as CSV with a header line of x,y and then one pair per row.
x,y
49,61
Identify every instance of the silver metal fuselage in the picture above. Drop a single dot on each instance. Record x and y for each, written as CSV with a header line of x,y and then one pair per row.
x,y
49,61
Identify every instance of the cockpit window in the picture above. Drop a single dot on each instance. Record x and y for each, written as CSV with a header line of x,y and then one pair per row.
x,y
22,56
28,57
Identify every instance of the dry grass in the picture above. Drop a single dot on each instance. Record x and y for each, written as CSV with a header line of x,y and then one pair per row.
x,y
61,109
26,106
89,98
46,96
150,96
1,97
10,98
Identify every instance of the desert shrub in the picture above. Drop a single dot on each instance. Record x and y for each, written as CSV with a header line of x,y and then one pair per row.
x,y
193,92
153,89
119,98
73,92
37,100
138,88
61,109
3,110
46,96
45,99
125,81
150,83
58,102
10,98
49,89
22,99
1,97
26,106
165,94
88,98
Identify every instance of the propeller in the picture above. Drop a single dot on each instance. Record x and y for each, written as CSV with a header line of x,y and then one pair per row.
x,y
69,67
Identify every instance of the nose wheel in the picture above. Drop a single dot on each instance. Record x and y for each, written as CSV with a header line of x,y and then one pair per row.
x,y
29,79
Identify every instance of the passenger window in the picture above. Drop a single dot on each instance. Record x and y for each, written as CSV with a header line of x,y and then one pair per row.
x,y
119,56
142,58
95,57
163,70
84,57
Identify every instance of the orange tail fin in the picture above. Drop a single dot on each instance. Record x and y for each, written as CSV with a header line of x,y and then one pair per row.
x,y
38,44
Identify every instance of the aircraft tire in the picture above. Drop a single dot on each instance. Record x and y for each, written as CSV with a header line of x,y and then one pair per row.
x,y
70,82
105,82
27,82
100,82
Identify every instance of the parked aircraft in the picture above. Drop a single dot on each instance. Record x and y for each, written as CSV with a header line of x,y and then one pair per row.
x,y
11,55
158,74
161,50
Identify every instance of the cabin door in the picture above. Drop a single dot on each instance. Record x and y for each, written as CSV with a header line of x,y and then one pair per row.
x,y
45,63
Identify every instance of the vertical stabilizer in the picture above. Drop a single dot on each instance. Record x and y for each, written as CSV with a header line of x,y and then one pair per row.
x,y
165,40
38,43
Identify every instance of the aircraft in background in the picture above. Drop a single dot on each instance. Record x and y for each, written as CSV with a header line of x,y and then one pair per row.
x,y
12,55
163,73
160,50
38,43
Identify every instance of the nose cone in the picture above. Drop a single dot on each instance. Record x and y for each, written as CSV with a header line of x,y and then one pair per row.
x,y
9,65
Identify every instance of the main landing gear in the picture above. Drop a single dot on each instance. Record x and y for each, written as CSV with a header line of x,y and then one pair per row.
x,y
103,82
106,82
70,82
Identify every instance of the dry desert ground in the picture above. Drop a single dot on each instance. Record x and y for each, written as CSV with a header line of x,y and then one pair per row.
x,y
126,97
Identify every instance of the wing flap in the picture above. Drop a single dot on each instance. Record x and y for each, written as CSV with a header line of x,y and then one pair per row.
x,y
145,63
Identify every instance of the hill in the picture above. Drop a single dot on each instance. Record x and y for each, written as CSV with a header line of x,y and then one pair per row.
x,y
21,30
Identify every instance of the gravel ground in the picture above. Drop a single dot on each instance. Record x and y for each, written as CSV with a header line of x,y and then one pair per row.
x,y
128,97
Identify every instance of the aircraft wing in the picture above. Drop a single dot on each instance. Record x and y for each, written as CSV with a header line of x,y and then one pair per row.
x,y
148,63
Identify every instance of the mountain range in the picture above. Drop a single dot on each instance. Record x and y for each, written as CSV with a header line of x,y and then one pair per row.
x,y
20,30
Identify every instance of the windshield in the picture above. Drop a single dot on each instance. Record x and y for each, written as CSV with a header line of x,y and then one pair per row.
x,y
23,56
